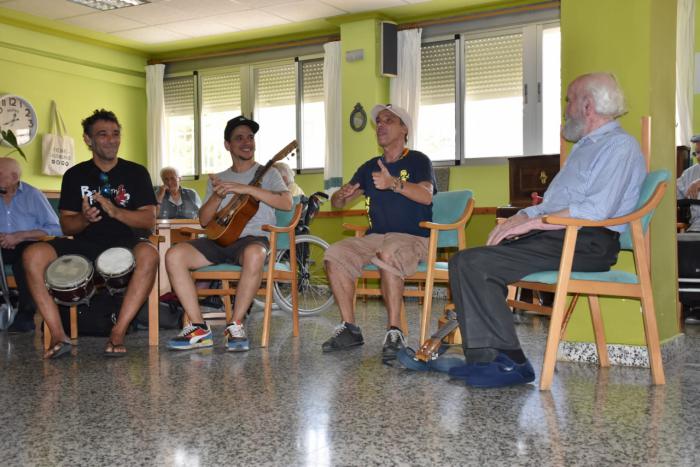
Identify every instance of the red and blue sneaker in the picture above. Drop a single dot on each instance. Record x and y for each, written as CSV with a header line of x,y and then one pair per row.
x,y
192,337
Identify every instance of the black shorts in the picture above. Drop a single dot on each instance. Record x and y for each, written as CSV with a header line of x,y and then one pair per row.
x,y
218,254
90,249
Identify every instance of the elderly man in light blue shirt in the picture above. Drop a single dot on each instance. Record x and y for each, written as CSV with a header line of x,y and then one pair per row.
x,y
601,179
26,215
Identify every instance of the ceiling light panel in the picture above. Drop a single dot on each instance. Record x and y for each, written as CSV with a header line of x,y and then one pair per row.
x,y
104,5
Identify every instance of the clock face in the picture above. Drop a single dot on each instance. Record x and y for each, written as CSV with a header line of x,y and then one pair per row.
x,y
18,115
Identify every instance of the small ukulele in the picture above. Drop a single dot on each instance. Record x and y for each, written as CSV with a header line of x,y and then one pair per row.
x,y
429,350
229,221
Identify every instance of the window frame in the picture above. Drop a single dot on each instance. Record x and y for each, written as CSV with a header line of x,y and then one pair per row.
x,y
532,86
247,99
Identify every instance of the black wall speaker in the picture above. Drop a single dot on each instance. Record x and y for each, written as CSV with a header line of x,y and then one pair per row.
x,y
389,46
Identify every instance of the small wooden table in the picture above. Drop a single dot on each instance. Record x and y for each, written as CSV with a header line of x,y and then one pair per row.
x,y
164,228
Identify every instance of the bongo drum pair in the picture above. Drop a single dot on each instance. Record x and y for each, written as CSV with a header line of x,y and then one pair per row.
x,y
71,281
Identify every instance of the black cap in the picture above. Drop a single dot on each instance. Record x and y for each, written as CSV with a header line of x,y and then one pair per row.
x,y
695,139
238,121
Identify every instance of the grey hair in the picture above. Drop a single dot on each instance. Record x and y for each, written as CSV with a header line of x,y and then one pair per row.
x,y
608,98
285,170
169,169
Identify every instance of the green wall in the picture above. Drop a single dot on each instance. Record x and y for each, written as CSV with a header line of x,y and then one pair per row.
x,y
80,77
643,47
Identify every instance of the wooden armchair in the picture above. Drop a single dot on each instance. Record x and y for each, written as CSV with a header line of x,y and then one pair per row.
x,y
281,236
609,283
451,212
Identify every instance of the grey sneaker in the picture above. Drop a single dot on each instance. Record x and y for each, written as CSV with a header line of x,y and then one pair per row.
x,y
343,338
236,338
393,342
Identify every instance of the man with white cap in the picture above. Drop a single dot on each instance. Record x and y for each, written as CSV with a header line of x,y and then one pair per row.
x,y
398,187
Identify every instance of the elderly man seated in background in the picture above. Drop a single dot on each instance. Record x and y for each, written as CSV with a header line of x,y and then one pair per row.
x,y
174,201
27,216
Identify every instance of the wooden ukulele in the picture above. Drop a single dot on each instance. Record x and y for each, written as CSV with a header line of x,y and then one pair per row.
x,y
429,350
229,221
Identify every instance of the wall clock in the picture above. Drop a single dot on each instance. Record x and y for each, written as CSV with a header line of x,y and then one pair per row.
x,y
18,115
358,118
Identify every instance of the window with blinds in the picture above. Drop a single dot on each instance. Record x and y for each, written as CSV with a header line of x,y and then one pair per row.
x,y
275,109
275,94
500,88
436,130
221,101
493,98
179,102
313,115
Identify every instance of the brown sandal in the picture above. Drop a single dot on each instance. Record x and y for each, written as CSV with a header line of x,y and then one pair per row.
x,y
113,353
58,350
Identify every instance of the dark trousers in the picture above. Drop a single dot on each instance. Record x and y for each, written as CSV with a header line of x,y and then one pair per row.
x,y
479,278
13,257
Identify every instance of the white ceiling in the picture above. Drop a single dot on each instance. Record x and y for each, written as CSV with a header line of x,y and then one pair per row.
x,y
163,21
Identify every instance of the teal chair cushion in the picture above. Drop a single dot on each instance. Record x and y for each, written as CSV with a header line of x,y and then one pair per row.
x,y
447,207
227,267
8,270
422,266
652,180
550,277
282,219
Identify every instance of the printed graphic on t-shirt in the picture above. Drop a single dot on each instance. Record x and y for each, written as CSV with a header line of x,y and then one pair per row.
x,y
119,196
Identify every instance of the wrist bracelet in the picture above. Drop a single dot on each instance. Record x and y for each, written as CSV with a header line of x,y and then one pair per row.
x,y
394,184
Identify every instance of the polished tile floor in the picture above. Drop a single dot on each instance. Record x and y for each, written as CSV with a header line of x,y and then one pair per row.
x,y
292,405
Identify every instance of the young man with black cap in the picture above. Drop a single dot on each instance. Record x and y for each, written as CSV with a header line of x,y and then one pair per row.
x,y
249,251
398,187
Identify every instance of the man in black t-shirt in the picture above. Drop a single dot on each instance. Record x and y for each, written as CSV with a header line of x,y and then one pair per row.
x,y
398,187
105,202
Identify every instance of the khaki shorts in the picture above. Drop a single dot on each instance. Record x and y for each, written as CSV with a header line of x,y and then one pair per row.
x,y
403,252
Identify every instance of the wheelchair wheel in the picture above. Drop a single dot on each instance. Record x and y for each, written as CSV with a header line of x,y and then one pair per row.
x,y
314,290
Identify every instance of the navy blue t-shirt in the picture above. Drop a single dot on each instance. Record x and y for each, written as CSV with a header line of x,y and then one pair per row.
x,y
393,212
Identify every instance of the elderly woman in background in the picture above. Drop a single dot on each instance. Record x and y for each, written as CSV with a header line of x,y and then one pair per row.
x,y
288,177
175,202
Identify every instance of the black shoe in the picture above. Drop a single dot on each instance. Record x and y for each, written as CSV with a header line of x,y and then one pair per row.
x,y
343,338
212,301
393,343
21,327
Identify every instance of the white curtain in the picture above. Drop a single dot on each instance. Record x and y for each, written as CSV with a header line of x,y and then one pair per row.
x,y
685,45
405,88
333,170
155,125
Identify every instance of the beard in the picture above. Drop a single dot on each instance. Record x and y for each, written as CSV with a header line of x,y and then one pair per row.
x,y
573,128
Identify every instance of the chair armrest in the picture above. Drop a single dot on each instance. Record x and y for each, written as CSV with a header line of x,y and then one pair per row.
x,y
186,232
633,216
358,229
156,239
274,228
436,226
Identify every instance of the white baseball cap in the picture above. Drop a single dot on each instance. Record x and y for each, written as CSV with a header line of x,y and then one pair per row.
x,y
398,111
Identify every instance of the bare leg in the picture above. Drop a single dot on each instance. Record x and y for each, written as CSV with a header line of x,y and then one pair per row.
x,y
37,258
392,291
179,261
343,288
146,257
252,261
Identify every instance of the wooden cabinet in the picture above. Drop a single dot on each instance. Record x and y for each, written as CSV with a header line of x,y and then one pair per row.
x,y
530,174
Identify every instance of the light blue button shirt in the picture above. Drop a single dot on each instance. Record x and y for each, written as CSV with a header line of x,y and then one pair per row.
x,y
28,210
600,179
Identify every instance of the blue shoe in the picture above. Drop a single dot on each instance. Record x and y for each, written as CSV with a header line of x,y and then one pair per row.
x,y
192,337
499,373
441,364
236,338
